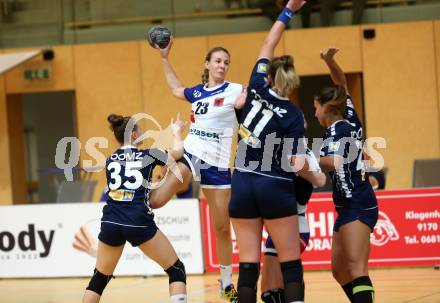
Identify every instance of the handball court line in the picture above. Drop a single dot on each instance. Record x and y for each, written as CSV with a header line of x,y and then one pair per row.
x,y
424,297
396,285
198,295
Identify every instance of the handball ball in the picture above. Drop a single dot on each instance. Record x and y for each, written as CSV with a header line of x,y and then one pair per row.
x,y
159,35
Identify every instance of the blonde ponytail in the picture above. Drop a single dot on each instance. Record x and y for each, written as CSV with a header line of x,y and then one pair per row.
x,y
283,74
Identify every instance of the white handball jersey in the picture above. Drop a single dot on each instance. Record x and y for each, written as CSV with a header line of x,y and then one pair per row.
x,y
213,122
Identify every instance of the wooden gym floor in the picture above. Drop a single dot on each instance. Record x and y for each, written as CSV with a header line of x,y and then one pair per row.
x,y
403,285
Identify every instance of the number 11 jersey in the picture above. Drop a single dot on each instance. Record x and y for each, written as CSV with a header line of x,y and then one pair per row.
x,y
271,129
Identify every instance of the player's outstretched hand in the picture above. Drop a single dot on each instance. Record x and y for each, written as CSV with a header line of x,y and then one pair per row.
x,y
241,99
164,52
329,53
295,5
178,126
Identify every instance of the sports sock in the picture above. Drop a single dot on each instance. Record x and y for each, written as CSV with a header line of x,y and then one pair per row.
x,y
363,291
226,275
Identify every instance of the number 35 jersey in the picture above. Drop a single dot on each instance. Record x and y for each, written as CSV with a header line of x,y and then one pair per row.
x,y
271,129
129,171
213,122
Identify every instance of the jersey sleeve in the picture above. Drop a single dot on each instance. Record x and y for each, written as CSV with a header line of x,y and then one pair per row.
x,y
236,90
192,93
259,74
350,112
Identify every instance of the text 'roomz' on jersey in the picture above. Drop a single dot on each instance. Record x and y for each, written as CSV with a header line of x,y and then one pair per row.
x,y
213,122
344,138
129,171
271,129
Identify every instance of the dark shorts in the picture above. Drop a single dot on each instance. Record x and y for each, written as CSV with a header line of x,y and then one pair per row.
x,y
209,176
347,215
116,235
258,196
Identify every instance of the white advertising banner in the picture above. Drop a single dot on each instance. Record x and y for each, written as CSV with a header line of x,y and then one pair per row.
x,y
60,240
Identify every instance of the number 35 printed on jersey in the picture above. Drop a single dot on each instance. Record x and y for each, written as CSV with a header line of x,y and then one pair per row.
x,y
132,169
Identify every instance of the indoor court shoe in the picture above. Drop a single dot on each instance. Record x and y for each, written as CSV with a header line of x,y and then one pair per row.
x,y
229,293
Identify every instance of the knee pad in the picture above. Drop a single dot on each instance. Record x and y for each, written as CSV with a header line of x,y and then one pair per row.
x,y
248,275
176,273
292,271
98,282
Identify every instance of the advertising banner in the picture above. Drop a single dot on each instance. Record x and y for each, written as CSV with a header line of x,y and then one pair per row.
x,y
406,234
60,240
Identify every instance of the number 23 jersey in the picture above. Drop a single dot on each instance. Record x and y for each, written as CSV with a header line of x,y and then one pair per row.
x,y
213,122
129,171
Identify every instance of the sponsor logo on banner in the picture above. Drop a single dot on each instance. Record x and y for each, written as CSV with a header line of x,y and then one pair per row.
x,y
407,232
27,243
61,240
321,230
384,231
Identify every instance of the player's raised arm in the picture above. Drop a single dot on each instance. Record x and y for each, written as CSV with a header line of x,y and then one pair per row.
x,y
174,83
274,36
178,127
336,72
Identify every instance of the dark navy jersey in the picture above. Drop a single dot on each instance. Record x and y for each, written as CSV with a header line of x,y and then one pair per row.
x,y
350,186
271,129
129,171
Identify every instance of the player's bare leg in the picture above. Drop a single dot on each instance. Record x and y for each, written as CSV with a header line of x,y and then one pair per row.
x,y
218,200
339,268
160,250
355,240
106,261
285,235
272,277
248,233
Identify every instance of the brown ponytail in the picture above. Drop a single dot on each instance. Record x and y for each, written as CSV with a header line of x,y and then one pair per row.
x,y
205,76
118,124
333,99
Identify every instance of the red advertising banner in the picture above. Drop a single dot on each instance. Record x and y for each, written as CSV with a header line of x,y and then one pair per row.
x,y
406,234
